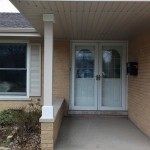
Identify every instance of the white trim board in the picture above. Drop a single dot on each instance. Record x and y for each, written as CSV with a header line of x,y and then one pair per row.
x,y
18,30
95,0
99,41
20,34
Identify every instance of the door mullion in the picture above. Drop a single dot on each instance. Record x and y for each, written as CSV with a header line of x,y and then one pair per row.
x,y
96,73
100,73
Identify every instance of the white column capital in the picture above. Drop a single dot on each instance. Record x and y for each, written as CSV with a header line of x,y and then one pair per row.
x,y
49,18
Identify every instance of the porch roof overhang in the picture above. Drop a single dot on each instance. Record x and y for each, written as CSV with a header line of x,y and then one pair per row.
x,y
88,20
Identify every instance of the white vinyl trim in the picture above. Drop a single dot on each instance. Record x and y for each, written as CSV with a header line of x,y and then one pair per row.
x,y
20,34
35,87
17,30
98,41
94,0
28,70
126,79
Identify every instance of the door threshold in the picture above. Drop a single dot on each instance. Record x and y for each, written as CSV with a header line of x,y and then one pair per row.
x,y
98,112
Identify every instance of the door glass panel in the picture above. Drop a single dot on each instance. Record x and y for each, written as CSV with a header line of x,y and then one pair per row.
x,y
84,76
112,79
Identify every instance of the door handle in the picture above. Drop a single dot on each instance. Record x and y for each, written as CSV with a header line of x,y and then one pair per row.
x,y
98,77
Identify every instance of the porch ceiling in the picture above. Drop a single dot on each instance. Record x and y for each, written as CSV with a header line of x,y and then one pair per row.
x,y
88,20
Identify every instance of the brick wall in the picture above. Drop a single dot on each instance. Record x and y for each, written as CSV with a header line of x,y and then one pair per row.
x,y
61,83
16,104
47,142
139,87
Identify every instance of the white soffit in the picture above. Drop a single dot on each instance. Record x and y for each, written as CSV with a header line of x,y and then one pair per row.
x,y
88,20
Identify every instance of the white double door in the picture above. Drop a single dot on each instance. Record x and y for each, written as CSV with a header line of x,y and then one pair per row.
x,y
98,76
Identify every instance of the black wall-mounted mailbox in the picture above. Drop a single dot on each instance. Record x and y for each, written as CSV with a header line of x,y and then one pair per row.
x,y
132,68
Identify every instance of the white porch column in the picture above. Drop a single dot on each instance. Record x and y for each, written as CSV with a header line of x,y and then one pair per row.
x,y
47,109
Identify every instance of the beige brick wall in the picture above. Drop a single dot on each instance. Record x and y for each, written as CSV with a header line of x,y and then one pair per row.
x,y
47,142
16,104
61,84
139,87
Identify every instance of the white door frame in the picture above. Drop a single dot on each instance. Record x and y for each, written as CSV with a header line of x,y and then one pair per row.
x,y
98,84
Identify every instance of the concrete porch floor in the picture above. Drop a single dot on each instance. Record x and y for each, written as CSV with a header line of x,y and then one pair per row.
x,y
82,133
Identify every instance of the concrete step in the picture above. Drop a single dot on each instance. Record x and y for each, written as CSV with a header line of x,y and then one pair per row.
x,y
97,112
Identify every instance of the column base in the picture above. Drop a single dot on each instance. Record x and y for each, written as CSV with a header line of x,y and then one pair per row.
x,y
47,114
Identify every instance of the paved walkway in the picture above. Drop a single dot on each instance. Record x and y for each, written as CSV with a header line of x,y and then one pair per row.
x,y
78,133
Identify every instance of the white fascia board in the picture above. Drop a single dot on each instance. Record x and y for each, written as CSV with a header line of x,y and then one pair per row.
x,y
20,35
17,30
91,0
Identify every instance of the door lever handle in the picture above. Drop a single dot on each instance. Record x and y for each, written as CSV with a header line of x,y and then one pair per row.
x,y
98,77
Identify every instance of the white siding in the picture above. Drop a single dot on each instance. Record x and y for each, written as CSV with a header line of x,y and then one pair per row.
x,y
35,70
